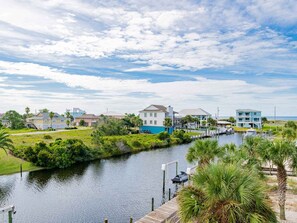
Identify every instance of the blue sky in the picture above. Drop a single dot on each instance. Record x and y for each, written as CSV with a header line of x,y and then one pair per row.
x,y
124,55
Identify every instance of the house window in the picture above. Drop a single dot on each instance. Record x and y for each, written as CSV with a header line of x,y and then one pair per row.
x,y
239,113
145,114
151,122
155,122
247,114
255,113
151,114
155,114
145,120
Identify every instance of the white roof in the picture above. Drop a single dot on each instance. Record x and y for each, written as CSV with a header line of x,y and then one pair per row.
x,y
197,111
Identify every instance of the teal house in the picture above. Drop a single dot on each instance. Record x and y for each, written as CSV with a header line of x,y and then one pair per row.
x,y
248,118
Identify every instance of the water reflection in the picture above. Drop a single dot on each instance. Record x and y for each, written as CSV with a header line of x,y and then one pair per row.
x,y
6,187
40,179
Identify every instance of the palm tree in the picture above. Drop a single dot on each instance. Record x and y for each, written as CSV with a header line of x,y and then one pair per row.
x,y
204,151
223,193
289,133
51,115
167,123
27,110
281,153
5,142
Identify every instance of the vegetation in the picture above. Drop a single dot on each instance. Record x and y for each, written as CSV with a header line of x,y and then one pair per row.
x,y
132,121
167,123
61,153
15,120
82,123
223,193
204,151
51,116
5,142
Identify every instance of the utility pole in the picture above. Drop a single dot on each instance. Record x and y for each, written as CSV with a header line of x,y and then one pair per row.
x,y
274,114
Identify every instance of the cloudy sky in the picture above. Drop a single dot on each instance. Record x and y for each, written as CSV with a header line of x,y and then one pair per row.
x,y
124,55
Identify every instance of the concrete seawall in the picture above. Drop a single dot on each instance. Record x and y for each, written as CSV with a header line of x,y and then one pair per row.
x,y
167,213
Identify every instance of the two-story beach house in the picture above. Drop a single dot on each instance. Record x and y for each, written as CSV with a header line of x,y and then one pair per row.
x,y
153,118
199,113
43,121
248,118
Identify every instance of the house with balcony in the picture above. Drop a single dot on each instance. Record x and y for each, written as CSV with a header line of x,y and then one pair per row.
x,y
153,118
42,121
198,113
248,118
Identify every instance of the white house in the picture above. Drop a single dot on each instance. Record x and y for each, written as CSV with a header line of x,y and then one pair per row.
x,y
42,121
153,118
199,113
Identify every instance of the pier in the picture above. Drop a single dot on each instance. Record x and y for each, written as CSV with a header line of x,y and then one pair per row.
x,y
168,213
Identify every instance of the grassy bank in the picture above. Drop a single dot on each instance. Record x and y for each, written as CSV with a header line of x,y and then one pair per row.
x,y
111,146
10,164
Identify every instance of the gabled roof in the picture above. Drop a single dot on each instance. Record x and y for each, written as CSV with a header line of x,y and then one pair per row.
x,y
197,111
45,115
247,110
90,116
156,108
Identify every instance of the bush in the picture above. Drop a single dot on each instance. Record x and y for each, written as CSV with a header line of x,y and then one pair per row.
x,y
163,136
136,143
47,137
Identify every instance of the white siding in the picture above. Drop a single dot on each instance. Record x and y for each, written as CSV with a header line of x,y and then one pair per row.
x,y
156,119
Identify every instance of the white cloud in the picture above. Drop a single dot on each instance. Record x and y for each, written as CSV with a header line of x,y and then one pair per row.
x,y
132,95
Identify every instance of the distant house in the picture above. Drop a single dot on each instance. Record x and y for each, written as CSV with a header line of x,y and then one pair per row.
x,y
76,112
42,121
89,119
248,118
4,122
112,114
153,118
199,113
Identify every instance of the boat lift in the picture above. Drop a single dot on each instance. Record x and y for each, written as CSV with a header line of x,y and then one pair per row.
x,y
10,210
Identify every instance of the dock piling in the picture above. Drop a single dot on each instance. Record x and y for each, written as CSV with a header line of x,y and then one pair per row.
x,y
153,204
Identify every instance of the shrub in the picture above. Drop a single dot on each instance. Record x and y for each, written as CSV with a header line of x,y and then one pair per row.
x,y
136,143
47,137
163,135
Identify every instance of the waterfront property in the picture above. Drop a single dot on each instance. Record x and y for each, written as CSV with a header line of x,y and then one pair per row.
x,y
89,120
248,118
76,112
43,121
153,118
198,113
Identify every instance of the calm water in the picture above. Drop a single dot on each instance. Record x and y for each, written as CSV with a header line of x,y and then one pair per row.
x,y
116,188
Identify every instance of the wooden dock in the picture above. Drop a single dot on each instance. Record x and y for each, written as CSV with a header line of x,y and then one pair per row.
x,y
167,213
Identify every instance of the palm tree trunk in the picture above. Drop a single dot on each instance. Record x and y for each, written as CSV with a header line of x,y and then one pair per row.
x,y
282,187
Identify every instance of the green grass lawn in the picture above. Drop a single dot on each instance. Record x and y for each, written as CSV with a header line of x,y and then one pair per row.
x,y
16,131
30,139
10,164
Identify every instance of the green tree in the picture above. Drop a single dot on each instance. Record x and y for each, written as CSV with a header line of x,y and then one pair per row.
x,y
44,110
15,120
280,153
131,121
51,116
223,193
211,121
187,120
27,110
68,122
264,120
232,119
82,122
5,141
167,123
204,151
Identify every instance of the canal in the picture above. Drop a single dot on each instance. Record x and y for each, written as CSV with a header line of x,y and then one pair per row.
x,y
115,188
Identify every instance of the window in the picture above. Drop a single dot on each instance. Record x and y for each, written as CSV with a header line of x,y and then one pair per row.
x,y
247,114
151,122
239,113
155,122
255,113
145,114
155,114
151,114
145,120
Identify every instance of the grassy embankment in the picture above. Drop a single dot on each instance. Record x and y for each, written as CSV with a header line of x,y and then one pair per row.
x,y
138,142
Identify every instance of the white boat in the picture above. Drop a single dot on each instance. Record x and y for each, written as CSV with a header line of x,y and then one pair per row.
x,y
250,132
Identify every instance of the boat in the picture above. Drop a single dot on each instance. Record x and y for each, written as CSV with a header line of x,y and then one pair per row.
x,y
180,178
229,131
250,132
